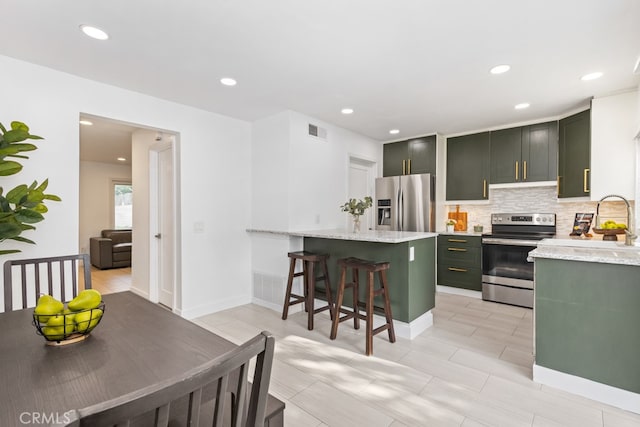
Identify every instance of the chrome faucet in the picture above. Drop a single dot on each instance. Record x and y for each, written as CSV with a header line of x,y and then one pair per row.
x,y
629,235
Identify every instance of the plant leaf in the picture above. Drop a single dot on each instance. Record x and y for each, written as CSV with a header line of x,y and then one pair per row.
x,y
24,147
9,230
22,239
19,125
16,135
41,207
15,196
43,186
4,129
8,167
52,197
28,216
9,251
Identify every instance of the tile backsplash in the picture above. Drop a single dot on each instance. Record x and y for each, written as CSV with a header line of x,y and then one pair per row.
x,y
540,200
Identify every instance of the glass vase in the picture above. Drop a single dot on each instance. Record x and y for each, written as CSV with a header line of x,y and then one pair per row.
x,y
356,223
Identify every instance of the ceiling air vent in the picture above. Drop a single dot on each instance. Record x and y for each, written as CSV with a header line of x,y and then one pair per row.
x,y
317,131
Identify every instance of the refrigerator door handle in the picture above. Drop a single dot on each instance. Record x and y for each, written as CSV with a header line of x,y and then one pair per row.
x,y
400,210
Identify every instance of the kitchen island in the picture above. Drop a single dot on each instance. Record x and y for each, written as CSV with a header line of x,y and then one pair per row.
x,y
412,275
586,318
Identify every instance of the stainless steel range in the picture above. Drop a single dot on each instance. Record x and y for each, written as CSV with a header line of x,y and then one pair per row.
x,y
507,276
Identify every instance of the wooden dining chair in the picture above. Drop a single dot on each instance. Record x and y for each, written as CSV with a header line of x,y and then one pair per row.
x,y
56,276
158,397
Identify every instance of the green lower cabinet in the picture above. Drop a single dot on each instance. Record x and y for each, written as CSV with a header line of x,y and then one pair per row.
x,y
587,320
411,283
460,261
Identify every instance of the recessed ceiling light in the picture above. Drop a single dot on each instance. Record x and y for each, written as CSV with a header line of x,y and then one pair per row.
x,y
394,131
86,122
522,106
121,159
591,76
94,32
228,81
499,69
347,111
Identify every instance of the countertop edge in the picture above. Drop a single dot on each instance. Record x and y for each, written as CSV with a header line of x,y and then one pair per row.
x,y
584,255
366,236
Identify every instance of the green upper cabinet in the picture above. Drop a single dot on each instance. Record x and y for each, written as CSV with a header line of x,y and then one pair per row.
x,y
417,155
540,152
468,167
524,154
574,152
506,153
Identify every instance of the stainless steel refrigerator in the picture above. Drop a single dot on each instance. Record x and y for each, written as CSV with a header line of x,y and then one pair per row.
x,y
405,203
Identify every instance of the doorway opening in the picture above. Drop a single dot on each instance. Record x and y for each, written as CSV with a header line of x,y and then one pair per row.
x,y
362,175
119,190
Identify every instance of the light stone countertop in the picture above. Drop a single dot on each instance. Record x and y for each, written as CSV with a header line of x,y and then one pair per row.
x,y
587,251
461,233
377,236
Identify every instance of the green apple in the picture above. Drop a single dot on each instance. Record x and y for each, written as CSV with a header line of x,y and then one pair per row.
x,y
86,300
87,320
47,307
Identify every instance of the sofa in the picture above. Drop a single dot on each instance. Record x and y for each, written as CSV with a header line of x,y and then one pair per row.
x,y
111,250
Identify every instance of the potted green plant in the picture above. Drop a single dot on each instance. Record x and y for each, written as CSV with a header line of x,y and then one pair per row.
x,y
357,208
450,225
23,205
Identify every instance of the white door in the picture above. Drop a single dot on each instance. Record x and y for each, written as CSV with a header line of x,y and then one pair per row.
x,y
360,186
165,235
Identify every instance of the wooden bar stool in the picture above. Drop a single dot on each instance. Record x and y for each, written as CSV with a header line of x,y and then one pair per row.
x,y
370,267
309,261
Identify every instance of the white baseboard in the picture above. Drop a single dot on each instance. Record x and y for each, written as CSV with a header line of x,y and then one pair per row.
x,y
273,306
613,396
139,292
459,291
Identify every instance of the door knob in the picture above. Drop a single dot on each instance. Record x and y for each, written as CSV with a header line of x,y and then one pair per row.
x,y
158,236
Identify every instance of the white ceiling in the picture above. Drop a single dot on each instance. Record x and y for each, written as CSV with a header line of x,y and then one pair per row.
x,y
421,66
105,141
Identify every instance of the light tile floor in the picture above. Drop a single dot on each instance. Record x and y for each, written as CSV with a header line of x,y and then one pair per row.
x,y
472,368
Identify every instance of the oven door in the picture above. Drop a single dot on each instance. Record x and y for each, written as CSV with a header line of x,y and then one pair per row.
x,y
504,261
507,276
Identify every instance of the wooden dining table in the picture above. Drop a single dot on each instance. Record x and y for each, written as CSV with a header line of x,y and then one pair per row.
x,y
136,344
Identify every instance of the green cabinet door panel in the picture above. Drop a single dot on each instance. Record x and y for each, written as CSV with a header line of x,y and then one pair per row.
x,y
413,156
524,154
468,167
506,153
394,157
574,155
587,320
540,152
422,154
411,283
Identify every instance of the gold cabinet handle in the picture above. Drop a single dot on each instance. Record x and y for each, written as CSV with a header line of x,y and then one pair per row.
x,y
558,185
409,167
484,188
584,180
457,249
461,270
524,170
404,167
457,240
516,170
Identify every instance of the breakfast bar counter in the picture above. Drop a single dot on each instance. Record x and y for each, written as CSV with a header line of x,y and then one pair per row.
x,y
412,275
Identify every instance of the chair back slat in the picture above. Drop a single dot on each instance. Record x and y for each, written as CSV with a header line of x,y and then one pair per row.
x,y
58,278
158,397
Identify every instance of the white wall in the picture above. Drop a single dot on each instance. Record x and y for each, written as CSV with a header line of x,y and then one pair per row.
x,y
299,182
318,172
95,198
216,268
613,130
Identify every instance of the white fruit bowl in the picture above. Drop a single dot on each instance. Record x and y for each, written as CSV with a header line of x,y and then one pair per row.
x,y
69,334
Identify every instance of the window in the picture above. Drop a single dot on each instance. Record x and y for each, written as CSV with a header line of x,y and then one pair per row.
x,y
123,205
